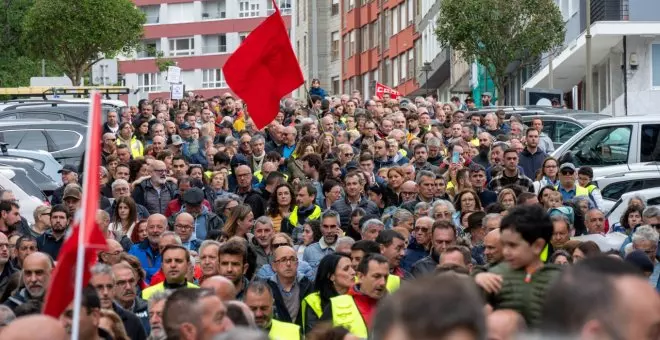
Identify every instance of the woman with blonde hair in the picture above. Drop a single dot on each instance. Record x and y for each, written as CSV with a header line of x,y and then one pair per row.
x,y
112,324
325,144
507,198
305,146
219,183
240,221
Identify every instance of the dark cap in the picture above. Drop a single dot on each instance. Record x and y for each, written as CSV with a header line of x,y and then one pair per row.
x,y
237,160
377,189
351,166
193,196
72,190
475,220
68,168
185,126
224,125
639,259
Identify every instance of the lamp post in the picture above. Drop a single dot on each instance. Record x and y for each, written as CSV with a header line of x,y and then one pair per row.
x,y
426,68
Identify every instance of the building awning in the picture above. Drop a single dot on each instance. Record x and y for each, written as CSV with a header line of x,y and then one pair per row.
x,y
569,65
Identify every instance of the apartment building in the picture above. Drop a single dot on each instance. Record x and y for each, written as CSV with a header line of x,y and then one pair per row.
x,y
380,44
625,58
199,36
318,43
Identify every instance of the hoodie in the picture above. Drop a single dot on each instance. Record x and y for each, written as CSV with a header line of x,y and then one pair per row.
x,y
365,304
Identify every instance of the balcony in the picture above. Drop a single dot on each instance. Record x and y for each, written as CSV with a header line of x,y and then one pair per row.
x,y
148,49
213,10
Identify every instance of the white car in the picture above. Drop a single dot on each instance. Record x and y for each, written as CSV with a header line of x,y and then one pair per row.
x,y
612,187
26,202
652,197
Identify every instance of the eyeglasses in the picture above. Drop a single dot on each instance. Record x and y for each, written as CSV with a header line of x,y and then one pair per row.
x,y
348,155
277,245
422,229
286,260
184,227
408,193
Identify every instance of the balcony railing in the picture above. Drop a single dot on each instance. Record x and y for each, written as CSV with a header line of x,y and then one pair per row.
x,y
214,49
146,54
214,15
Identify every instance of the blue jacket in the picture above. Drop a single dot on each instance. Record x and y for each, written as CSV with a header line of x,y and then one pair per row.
x,y
319,91
314,253
149,260
531,162
304,269
414,253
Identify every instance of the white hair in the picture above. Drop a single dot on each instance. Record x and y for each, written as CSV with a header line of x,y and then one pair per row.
x,y
646,233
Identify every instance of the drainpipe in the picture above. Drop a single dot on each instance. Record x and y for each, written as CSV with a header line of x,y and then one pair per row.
x,y
624,68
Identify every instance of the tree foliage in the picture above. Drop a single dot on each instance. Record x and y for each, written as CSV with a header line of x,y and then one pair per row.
x,y
16,68
76,34
500,33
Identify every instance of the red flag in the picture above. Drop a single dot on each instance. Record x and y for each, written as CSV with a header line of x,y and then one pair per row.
x,y
384,89
61,289
264,69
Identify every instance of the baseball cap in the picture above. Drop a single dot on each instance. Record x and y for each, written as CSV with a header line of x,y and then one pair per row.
x,y
176,140
72,190
237,160
68,168
567,166
193,196
639,259
487,94
185,126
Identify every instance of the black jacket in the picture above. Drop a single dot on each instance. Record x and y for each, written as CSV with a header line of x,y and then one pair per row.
x,y
343,207
18,299
255,201
425,266
281,312
132,323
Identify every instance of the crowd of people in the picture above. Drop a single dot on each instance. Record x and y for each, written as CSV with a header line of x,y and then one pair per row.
x,y
345,218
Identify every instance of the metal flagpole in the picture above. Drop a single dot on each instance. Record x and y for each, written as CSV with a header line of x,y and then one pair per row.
x,y
80,252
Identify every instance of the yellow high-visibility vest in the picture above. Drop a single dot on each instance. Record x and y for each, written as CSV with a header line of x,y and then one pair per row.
x,y
284,331
346,314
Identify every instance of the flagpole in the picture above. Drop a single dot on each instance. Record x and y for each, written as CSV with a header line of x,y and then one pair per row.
x,y
294,17
80,252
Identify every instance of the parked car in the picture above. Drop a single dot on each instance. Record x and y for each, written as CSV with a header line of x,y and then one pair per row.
x,y
64,140
46,184
651,195
56,110
26,202
613,143
45,162
612,187
558,128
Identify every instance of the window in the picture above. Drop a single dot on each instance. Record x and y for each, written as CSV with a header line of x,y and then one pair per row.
x,y
602,147
364,38
46,116
25,139
182,46
395,71
152,13
404,67
215,44
64,139
655,65
614,191
335,85
564,131
304,51
9,117
352,42
148,82
335,7
351,4
242,36
650,148
403,15
297,12
374,33
411,64
284,5
213,78
395,20
347,48
334,47
411,12
183,12
386,71
388,29
213,10
248,8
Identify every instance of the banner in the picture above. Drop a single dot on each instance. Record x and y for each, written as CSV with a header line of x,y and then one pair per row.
x,y
381,90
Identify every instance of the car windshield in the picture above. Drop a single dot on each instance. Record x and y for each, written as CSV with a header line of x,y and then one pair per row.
x,y
25,183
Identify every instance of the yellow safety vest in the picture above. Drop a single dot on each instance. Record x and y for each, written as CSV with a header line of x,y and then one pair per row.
x,y
136,147
284,331
346,314
260,176
149,291
293,217
393,283
579,191
312,301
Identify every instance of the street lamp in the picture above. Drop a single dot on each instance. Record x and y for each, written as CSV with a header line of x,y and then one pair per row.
x,y
426,68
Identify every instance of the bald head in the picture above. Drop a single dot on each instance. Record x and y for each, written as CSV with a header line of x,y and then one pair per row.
x,y
157,218
185,218
23,329
283,251
409,186
222,286
493,246
38,259
504,324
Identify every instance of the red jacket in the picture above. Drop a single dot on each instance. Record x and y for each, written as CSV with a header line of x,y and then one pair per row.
x,y
365,304
160,276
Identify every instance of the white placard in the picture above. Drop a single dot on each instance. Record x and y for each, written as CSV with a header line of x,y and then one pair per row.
x,y
173,74
177,91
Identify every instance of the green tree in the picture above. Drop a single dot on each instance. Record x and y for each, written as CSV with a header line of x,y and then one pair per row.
x,y
76,34
16,68
502,35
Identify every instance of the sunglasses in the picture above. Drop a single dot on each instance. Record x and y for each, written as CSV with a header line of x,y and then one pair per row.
x,y
568,172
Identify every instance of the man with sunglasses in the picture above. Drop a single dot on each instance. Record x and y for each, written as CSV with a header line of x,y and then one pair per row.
x,y
568,188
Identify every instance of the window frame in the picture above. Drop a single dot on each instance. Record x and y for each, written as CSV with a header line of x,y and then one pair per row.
x,y
214,83
151,87
172,42
653,55
252,10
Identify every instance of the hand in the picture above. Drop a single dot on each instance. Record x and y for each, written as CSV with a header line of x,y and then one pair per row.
x,y
491,283
295,181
